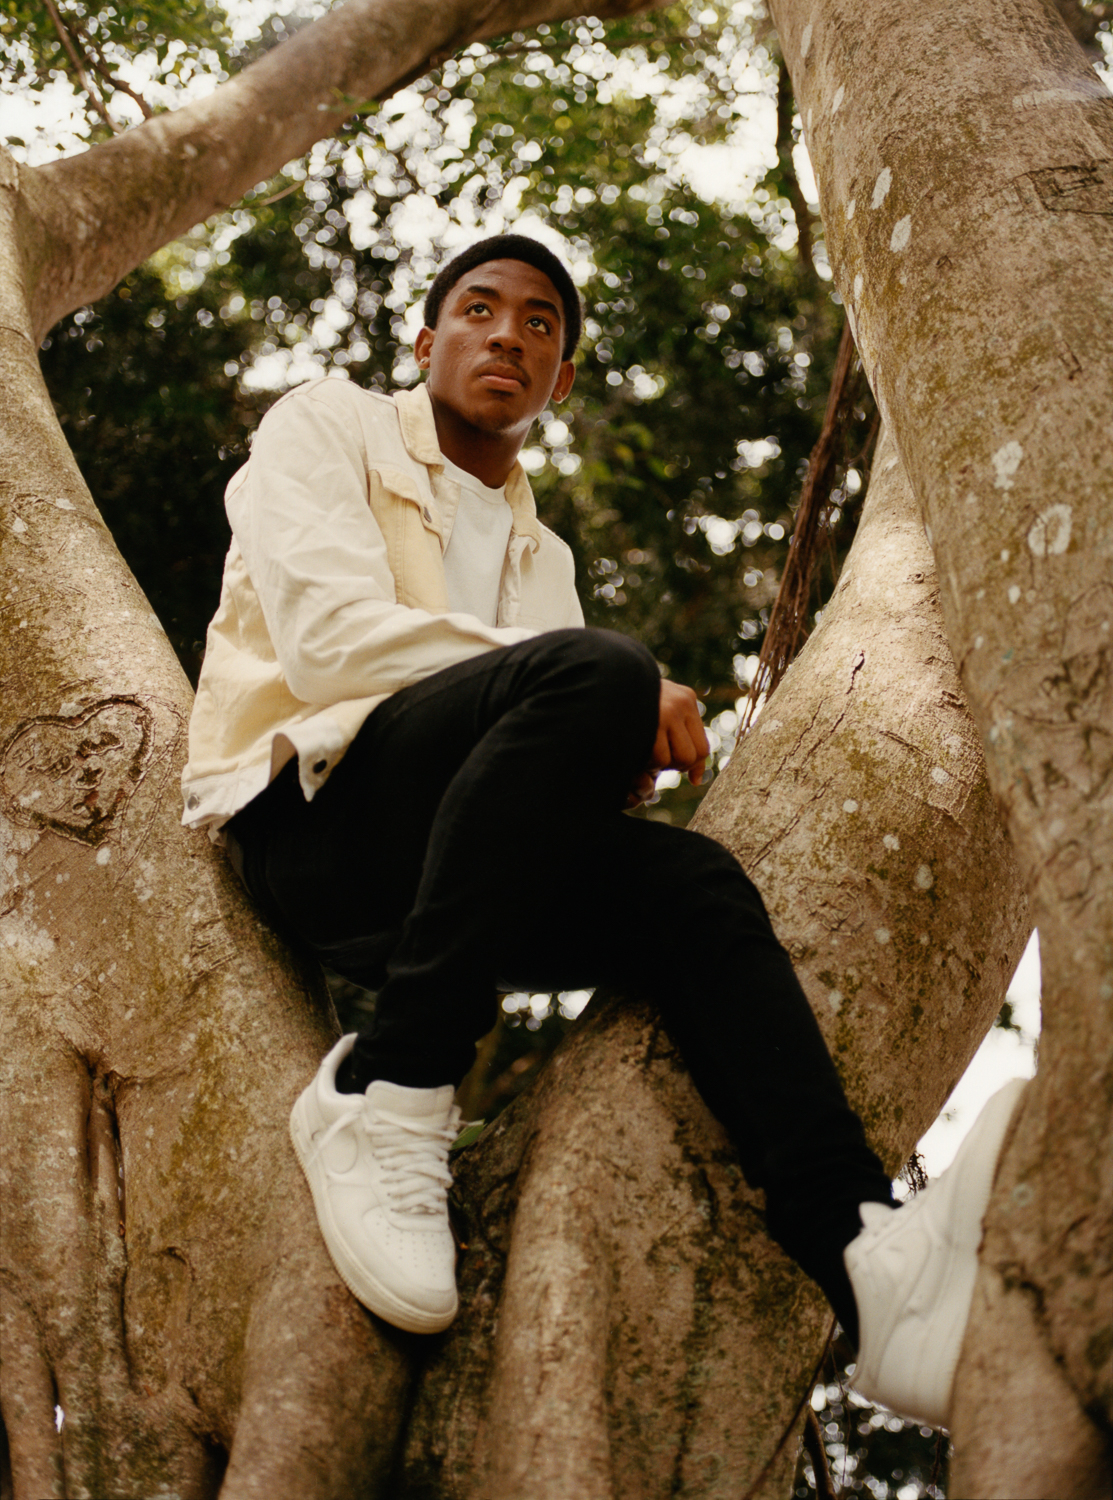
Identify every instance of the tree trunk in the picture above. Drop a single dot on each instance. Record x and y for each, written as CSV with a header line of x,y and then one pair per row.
x,y
964,152
627,1328
162,1281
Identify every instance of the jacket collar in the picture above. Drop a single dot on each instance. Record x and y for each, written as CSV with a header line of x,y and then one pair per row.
x,y
419,433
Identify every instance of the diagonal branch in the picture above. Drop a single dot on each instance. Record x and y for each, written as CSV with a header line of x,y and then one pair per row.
x,y
813,1442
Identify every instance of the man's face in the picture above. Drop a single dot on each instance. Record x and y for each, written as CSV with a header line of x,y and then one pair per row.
x,y
494,358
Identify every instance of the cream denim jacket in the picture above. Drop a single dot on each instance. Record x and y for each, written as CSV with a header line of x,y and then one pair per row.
x,y
334,593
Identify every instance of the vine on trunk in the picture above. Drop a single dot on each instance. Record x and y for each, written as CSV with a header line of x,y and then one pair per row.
x,y
787,628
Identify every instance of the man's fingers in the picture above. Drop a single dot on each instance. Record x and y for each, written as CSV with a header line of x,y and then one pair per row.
x,y
687,741
662,751
681,738
676,750
682,747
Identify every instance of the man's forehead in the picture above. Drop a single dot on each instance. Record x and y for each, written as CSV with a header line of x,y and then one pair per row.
x,y
510,278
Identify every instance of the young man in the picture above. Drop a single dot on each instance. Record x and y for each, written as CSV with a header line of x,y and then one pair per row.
x,y
419,761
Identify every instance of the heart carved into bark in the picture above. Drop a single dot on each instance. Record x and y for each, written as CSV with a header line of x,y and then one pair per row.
x,y
76,774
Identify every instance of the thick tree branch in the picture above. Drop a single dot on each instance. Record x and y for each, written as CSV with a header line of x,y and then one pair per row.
x,y
103,212
964,257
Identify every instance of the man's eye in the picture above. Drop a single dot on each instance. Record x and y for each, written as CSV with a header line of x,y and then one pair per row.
x,y
544,323
477,307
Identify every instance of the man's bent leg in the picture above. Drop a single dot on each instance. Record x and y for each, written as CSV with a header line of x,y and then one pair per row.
x,y
435,823
671,913
425,824
561,727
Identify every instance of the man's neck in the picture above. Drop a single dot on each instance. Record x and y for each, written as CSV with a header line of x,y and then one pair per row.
x,y
490,456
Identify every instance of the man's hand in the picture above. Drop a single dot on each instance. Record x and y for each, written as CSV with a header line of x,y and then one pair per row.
x,y
681,743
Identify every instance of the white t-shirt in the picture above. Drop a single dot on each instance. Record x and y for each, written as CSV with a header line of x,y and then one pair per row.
x,y
476,551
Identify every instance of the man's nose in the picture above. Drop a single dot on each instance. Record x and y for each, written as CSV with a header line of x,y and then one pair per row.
x,y
504,335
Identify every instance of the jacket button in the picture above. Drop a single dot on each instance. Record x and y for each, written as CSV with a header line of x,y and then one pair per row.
x,y
425,512
192,800
319,767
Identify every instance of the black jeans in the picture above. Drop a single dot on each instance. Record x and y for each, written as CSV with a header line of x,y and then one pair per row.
x,y
473,838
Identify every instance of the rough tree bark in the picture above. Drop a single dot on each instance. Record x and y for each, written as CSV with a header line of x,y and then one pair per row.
x,y
627,1329
964,151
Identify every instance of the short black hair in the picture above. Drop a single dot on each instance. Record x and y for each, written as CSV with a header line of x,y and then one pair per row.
x,y
511,247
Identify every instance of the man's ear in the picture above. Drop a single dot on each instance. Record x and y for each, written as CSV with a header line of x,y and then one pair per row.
x,y
564,381
423,347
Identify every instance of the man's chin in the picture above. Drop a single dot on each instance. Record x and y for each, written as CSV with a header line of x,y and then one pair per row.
x,y
497,419
491,413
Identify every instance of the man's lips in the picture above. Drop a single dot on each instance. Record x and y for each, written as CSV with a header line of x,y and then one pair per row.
x,y
502,378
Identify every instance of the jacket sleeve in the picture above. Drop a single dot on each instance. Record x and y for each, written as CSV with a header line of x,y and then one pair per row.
x,y
318,561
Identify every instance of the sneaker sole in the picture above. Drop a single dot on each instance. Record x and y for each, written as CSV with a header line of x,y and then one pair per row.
x,y
916,1372
363,1286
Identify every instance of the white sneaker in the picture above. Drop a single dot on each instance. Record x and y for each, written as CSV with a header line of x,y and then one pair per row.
x,y
913,1270
377,1165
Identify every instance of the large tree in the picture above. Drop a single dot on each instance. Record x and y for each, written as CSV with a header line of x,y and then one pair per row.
x,y
627,1327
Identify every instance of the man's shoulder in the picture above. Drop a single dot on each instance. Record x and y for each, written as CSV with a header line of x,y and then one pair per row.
x,y
369,419
373,406
549,538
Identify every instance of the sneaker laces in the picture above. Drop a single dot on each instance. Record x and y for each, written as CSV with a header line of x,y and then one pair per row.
x,y
413,1157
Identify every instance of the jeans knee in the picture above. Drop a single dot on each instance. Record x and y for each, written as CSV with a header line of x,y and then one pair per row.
x,y
719,883
620,665
604,681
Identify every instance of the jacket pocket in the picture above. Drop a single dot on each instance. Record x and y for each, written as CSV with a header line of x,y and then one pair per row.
x,y
412,535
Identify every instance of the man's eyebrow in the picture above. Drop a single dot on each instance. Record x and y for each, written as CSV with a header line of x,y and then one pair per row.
x,y
545,303
490,291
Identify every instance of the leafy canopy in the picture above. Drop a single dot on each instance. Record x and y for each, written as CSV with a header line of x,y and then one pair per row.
x,y
674,467
106,49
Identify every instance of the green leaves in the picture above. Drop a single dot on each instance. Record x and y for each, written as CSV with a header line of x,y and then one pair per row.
x,y
96,42
469,1135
